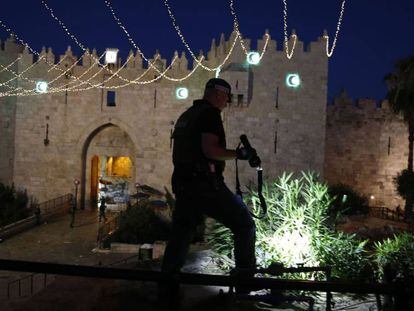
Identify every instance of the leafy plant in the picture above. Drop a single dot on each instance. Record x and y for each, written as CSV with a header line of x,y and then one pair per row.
x,y
295,230
394,257
345,254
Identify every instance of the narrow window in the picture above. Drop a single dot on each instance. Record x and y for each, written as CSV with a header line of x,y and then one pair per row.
x,y
275,143
110,99
239,99
155,98
277,98
237,84
389,145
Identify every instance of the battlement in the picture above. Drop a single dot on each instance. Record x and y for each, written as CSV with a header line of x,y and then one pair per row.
x,y
344,102
214,56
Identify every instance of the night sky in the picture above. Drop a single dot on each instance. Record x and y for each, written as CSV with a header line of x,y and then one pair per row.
x,y
374,32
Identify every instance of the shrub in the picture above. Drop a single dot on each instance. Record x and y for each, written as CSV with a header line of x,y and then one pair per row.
x,y
295,229
347,201
13,205
141,224
394,257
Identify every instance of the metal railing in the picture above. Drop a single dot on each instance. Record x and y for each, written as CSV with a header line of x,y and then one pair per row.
x,y
386,213
43,211
29,284
29,281
56,205
401,291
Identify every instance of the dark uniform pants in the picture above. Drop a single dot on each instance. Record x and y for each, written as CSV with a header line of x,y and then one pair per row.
x,y
199,197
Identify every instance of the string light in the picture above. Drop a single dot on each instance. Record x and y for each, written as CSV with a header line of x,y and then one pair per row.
x,y
187,46
65,28
120,24
338,27
57,64
286,41
20,75
9,65
14,35
237,29
100,85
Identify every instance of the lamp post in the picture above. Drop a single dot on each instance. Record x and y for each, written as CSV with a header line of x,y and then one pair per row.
x,y
75,203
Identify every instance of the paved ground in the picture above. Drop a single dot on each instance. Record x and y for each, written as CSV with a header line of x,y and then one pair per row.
x,y
53,242
57,242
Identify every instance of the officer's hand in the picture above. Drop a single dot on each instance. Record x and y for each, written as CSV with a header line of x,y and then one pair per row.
x,y
245,154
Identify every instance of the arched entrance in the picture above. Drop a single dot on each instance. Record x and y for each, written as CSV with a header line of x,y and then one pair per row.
x,y
108,167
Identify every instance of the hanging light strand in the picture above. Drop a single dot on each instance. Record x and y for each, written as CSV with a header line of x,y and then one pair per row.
x,y
9,65
338,28
57,64
21,75
73,37
289,55
120,24
178,30
13,34
239,35
236,27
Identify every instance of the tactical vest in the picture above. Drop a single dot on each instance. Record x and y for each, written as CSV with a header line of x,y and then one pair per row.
x,y
187,150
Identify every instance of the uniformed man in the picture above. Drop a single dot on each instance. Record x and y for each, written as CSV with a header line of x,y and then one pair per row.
x,y
199,156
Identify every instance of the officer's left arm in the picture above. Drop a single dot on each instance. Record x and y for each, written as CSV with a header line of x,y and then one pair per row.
x,y
212,149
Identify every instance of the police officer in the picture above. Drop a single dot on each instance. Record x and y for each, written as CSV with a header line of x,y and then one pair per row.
x,y
199,156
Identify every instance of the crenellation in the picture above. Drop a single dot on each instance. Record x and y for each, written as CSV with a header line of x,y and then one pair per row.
x,y
130,60
271,45
87,59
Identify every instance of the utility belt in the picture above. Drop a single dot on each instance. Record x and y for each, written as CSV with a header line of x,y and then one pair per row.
x,y
186,174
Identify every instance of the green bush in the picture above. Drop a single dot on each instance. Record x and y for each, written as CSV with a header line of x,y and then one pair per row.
x,y
405,184
347,201
346,254
394,256
295,230
141,224
13,205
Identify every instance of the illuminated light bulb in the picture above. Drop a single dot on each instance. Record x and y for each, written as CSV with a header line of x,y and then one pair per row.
x,y
253,58
181,93
42,87
372,197
293,80
111,56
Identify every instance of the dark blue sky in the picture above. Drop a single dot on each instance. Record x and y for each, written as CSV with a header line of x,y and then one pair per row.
x,y
374,32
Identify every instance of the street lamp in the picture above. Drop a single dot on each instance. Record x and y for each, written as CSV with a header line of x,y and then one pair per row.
x,y
75,203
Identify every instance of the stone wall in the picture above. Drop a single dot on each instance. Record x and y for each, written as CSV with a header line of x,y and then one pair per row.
x,y
286,126
8,53
366,146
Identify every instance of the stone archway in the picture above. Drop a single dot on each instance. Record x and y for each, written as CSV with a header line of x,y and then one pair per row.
x,y
106,142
